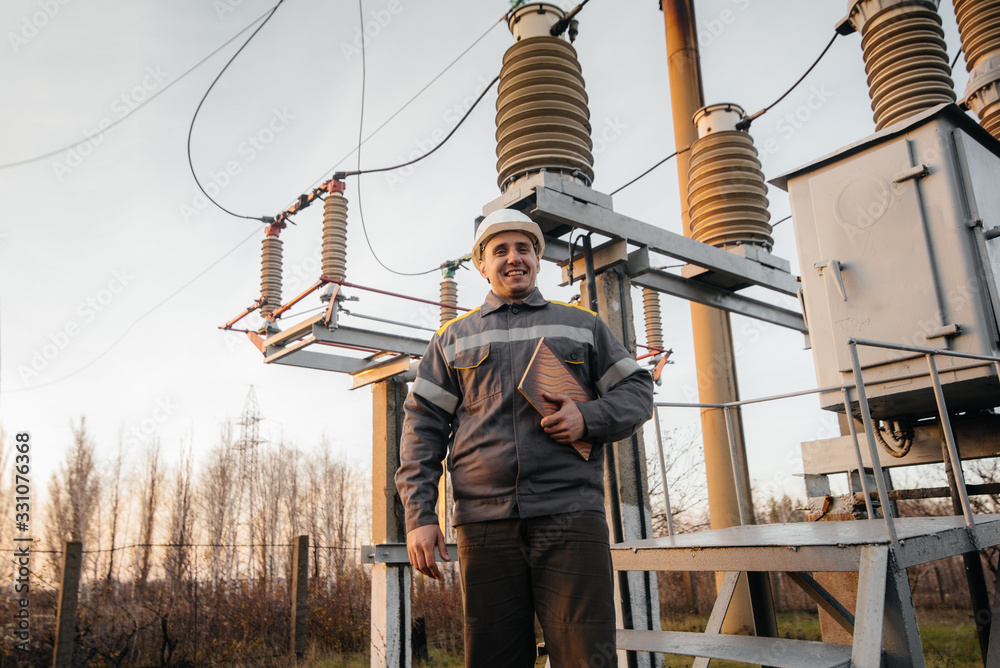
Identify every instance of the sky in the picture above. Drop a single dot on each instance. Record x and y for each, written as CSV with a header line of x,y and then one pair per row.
x,y
115,273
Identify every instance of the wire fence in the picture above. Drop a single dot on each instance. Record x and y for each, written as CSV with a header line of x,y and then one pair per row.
x,y
203,614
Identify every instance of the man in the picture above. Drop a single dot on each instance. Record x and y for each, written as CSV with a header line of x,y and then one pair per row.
x,y
529,511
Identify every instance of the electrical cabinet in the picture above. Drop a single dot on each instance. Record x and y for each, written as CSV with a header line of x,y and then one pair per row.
x,y
899,241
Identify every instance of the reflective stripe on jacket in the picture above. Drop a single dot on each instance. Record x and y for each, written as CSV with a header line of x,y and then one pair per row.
x,y
464,404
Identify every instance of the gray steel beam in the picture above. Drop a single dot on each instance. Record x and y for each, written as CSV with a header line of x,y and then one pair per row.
x,y
557,207
778,652
703,293
395,553
310,360
824,599
756,558
365,338
719,610
870,609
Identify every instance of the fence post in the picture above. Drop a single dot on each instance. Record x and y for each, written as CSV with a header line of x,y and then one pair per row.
x,y
300,593
69,586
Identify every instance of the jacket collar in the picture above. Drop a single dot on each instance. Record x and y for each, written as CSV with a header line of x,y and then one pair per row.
x,y
494,303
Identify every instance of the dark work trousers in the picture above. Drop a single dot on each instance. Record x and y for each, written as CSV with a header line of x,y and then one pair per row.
x,y
557,567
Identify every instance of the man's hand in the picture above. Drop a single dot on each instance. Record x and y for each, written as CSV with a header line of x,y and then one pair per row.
x,y
420,544
565,425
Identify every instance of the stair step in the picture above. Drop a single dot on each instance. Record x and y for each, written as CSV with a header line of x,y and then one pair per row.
x,y
777,652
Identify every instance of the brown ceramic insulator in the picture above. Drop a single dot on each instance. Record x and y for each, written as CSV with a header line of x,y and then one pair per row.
x,y
543,121
654,324
270,275
449,295
905,57
979,27
727,197
335,236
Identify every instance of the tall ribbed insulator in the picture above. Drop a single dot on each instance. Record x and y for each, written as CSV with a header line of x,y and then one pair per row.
x,y
270,274
543,121
449,295
651,311
335,235
979,27
727,197
905,57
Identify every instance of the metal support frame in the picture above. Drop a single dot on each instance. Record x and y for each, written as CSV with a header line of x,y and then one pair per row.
x,y
956,462
395,553
866,416
740,492
884,624
861,464
663,472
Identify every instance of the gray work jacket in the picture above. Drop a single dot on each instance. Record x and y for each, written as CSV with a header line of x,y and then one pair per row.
x,y
465,404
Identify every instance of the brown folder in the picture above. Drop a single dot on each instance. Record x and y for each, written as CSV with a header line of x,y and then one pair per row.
x,y
546,372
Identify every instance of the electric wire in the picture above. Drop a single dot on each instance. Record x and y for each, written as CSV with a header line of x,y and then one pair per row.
x,y
745,123
205,97
319,186
361,126
955,60
391,168
138,106
406,104
672,155
135,322
359,172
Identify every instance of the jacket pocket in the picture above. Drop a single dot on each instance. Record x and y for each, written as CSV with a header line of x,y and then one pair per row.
x,y
478,373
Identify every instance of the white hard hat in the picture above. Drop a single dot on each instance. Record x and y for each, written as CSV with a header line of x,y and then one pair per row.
x,y
506,220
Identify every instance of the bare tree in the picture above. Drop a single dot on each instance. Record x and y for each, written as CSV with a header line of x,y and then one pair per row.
x,y
114,492
73,494
686,483
272,483
218,487
180,523
150,490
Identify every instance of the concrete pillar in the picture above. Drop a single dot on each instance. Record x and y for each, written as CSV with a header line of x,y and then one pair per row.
x,y
711,328
390,623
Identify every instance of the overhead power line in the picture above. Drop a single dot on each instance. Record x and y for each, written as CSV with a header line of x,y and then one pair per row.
x,y
138,106
745,123
672,155
359,171
330,171
205,97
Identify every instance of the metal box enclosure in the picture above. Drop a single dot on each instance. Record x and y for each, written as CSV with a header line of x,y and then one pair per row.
x,y
896,242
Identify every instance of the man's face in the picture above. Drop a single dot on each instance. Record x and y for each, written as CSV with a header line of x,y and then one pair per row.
x,y
510,265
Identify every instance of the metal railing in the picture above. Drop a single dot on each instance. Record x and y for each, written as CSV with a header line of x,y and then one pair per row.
x,y
949,435
861,395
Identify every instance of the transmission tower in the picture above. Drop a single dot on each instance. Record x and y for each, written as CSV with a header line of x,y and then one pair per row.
x,y
248,447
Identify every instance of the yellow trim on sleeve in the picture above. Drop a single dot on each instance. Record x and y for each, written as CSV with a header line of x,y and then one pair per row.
x,y
585,310
454,320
